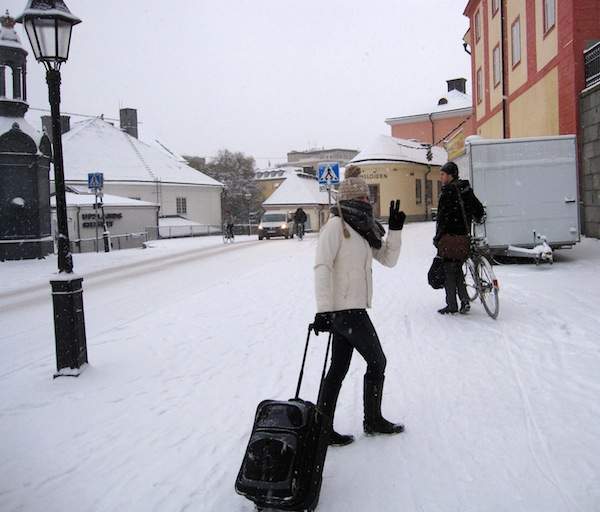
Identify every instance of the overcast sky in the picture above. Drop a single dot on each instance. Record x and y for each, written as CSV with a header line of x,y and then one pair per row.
x,y
260,76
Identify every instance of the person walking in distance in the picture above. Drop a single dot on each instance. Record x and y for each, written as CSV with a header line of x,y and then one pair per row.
x,y
343,285
457,208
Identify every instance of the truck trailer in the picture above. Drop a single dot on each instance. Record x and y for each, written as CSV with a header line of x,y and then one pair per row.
x,y
529,188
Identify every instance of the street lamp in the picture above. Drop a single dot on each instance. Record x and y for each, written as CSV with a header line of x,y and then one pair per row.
x,y
248,196
49,24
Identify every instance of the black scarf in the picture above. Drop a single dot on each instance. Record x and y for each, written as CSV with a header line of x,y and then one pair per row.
x,y
360,217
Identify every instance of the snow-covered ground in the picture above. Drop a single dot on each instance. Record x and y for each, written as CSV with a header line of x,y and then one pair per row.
x,y
501,415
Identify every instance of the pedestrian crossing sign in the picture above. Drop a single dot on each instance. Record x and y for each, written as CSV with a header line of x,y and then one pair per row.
x,y
95,180
329,173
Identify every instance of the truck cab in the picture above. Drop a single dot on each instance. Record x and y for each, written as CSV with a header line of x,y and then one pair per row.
x,y
275,223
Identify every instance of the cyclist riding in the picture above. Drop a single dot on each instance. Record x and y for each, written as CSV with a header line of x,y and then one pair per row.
x,y
299,220
228,235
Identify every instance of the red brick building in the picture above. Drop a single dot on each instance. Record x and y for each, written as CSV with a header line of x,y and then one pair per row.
x,y
451,115
527,64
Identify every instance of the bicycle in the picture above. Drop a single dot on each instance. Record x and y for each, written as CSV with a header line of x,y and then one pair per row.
x,y
300,230
480,278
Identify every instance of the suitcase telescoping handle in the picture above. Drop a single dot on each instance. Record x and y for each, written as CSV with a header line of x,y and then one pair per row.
x,y
310,328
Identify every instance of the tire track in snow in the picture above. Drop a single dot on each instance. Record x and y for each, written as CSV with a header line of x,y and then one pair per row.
x,y
432,417
533,430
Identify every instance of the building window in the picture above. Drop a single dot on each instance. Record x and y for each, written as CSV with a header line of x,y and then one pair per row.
x,y
181,205
549,14
418,191
477,26
497,66
495,6
479,86
429,191
516,41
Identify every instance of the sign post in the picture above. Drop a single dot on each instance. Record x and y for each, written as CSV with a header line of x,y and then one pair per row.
x,y
329,174
96,183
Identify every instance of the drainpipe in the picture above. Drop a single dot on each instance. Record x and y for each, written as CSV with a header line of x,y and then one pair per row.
x,y
429,168
504,45
78,224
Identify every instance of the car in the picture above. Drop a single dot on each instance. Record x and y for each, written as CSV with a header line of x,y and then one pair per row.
x,y
275,223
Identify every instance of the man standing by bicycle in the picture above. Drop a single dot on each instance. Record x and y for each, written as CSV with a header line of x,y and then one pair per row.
x,y
457,208
299,220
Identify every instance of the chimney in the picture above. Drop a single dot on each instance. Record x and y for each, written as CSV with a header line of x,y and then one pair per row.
x,y
65,125
129,121
460,84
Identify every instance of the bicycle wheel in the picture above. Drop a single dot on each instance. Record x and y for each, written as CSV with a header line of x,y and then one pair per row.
x,y
470,280
488,287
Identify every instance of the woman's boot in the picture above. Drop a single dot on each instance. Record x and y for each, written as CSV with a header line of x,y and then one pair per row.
x,y
327,401
374,423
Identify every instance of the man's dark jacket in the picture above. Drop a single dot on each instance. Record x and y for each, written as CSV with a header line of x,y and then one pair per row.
x,y
300,216
449,217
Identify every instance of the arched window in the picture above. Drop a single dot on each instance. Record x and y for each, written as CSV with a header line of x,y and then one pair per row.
x,y
6,82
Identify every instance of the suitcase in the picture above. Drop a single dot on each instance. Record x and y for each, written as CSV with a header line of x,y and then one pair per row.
x,y
283,465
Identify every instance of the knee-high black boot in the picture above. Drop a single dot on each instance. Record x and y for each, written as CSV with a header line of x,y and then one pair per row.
x,y
327,402
374,422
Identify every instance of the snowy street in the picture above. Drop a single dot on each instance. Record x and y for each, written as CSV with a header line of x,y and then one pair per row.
x,y
186,339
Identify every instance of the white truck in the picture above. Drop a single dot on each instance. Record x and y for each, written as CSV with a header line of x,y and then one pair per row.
x,y
529,188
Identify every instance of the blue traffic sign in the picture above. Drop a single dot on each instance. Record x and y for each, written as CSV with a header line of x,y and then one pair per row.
x,y
329,173
95,180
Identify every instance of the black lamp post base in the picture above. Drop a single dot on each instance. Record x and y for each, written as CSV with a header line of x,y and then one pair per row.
x,y
70,372
69,325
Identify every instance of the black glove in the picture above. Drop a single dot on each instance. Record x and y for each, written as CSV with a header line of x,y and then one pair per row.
x,y
397,217
322,323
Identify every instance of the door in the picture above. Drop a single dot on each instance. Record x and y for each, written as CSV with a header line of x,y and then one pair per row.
x,y
375,199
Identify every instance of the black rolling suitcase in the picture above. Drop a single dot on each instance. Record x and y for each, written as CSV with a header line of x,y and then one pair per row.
x,y
283,465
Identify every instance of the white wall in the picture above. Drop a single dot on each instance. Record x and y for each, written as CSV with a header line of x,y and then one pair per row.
x,y
203,202
134,219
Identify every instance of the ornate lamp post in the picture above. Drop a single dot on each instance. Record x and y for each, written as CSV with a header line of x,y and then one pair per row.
x,y
49,24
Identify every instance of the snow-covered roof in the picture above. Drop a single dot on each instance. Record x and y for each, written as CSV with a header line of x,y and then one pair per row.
x,y
456,100
6,124
8,34
297,189
107,199
95,145
390,149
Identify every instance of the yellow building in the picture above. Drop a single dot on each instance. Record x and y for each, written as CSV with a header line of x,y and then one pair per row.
x,y
398,169
527,62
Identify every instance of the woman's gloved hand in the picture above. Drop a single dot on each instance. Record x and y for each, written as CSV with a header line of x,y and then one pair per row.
x,y
322,323
397,217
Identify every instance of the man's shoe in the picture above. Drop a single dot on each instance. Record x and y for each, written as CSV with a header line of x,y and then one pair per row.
x,y
465,307
447,311
382,426
336,439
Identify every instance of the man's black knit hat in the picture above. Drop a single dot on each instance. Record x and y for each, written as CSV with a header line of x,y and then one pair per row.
x,y
450,168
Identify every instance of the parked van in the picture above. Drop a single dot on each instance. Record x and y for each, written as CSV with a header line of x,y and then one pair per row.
x,y
275,223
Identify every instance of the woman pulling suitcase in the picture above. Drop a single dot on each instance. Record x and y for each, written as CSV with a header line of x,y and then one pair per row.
x,y
343,286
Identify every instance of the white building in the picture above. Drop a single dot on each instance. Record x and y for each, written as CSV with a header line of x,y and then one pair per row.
x,y
300,190
139,171
127,221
